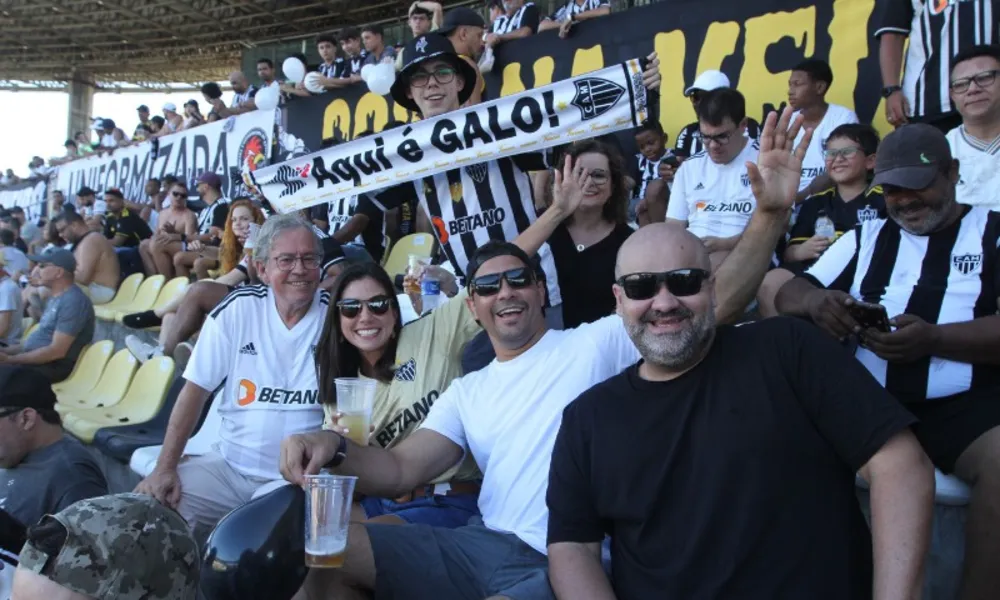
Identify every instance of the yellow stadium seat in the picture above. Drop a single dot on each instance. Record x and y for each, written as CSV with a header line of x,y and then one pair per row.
x,y
28,331
143,400
87,371
144,299
109,389
123,297
421,244
173,288
26,324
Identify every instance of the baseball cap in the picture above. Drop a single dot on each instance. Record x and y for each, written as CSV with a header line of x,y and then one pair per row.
x,y
59,257
121,547
211,179
108,124
114,192
142,108
24,387
459,17
170,106
424,48
86,191
708,81
911,157
496,248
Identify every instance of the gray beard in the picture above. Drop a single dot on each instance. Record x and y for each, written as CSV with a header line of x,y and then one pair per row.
x,y
673,351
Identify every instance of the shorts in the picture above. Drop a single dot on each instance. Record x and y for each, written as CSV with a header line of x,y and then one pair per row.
x,y
438,511
947,426
419,562
100,294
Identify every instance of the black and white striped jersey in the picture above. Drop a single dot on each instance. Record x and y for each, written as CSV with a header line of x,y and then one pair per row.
x,y
526,16
689,139
572,8
648,171
330,70
339,212
949,276
472,205
938,30
213,215
242,97
346,67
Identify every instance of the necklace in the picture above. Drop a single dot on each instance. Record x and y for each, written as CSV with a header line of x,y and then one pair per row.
x,y
580,247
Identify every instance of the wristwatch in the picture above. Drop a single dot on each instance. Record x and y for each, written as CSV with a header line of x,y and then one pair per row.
x,y
339,456
890,90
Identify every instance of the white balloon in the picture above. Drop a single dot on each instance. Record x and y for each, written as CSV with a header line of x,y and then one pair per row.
x,y
267,98
381,78
366,71
312,82
293,69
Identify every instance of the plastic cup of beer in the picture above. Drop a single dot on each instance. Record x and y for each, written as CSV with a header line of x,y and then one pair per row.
x,y
417,264
328,516
355,398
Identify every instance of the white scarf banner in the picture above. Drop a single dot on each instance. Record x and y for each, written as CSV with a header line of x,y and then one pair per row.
x,y
582,107
27,195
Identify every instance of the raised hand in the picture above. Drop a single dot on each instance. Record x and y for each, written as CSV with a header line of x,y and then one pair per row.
x,y
651,76
567,189
775,178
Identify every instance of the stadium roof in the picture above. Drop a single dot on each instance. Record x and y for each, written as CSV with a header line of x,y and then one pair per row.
x,y
151,42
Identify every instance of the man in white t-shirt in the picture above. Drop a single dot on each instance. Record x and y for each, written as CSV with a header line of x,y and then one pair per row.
x,y
11,308
711,195
975,93
807,87
508,415
260,341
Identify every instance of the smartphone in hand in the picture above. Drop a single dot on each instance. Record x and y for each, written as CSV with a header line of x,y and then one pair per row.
x,y
871,316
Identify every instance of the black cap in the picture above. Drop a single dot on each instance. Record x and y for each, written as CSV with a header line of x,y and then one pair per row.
x,y
114,192
108,124
496,248
86,191
463,16
424,48
911,157
24,387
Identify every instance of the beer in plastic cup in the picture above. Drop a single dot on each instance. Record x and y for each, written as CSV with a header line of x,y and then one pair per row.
x,y
328,516
417,264
355,398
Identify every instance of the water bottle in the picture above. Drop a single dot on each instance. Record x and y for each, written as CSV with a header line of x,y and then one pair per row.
x,y
824,226
430,294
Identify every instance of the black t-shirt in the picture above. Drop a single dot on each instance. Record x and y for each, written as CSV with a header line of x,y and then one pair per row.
x,y
585,278
735,480
845,215
128,225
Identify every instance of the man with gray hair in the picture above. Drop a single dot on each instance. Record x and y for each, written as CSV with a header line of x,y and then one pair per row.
x,y
259,340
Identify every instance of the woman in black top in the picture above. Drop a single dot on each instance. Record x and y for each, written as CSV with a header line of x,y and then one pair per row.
x,y
586,244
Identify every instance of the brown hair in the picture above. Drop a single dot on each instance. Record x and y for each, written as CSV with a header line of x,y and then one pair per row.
x,y
231,249
616,207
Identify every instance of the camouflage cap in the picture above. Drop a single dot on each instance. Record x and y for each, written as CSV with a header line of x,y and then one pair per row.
x,y
123,547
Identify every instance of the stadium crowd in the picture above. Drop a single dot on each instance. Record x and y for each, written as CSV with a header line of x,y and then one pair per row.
x,y
664,381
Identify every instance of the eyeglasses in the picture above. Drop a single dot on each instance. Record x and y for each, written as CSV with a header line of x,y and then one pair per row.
x,y
443,75
351,307
983,80
599,177
720,138
179,194
680,283
848,152
286,262
489,285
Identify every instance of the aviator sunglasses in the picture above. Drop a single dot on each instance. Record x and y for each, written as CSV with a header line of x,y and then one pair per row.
x,y
680,283
489,285
351,308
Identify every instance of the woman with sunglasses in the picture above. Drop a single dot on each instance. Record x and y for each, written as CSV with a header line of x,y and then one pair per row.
x,y
412,365
586,243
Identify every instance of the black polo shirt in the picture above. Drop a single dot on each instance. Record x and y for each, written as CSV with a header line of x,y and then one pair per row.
x,y
128,225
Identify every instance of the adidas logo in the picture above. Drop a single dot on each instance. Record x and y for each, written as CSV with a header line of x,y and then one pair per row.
x,y
406,372
700,186
249,349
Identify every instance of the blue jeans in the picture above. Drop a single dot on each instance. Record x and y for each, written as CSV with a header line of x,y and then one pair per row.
x,y
437,511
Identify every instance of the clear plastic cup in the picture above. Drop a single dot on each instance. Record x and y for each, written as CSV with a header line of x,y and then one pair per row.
x,y
355,399
328,517
416,265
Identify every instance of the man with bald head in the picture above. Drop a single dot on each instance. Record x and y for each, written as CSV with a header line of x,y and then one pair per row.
x,y
243,97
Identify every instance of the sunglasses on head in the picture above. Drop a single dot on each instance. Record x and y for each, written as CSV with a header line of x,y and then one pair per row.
x,y
489,285
680,283
351,307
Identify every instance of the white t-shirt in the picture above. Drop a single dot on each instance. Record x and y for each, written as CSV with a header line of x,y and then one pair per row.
x,y
814,165
10,301
714,199
270,374
509,413
15,261
978,169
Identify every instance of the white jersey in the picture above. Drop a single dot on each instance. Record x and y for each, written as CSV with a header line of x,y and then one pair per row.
x,y
978,168
269,372
814,164
714,199
339,212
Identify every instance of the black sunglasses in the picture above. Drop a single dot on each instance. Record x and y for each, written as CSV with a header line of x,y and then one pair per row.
x,y
680,283
489,285
351,308
178,194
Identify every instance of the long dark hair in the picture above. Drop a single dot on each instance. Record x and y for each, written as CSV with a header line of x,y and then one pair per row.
x,y
615,209
335,356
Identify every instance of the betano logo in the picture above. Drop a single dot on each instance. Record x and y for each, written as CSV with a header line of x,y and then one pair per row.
x,y
247,394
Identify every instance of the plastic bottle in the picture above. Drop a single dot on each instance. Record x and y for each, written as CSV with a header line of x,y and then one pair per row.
x,y
825,227
430,294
